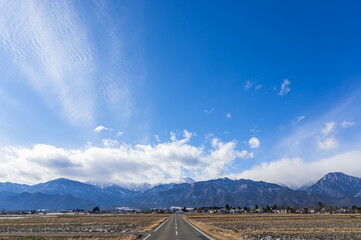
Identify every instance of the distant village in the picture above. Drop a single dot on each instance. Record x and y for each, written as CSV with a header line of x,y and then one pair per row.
x,y
320,209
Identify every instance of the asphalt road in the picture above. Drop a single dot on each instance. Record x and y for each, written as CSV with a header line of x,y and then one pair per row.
x,y
177,228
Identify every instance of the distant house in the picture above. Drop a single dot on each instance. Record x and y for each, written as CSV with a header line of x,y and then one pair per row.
x,y
224,210
126,210
291,210
238,210
302,210
283,211
343,210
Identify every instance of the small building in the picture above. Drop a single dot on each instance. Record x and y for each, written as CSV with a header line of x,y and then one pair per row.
x,y
291,210
343,210
283,211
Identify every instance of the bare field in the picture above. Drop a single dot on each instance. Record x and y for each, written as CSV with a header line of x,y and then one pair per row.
x,y
127,237
108,226
285,226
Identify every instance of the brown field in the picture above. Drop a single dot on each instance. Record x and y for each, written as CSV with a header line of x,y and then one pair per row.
x,y
280,226
77,226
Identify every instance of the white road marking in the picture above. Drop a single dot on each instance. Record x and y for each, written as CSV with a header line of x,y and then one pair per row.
x,y
147,237
198,229
162,224
158,228
176,233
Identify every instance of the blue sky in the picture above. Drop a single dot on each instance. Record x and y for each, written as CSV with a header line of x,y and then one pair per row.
x,y
151,91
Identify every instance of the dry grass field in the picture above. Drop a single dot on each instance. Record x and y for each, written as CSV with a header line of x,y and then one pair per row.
x,y
77,226
272,226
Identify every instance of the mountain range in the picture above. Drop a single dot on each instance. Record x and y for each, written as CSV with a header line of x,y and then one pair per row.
x,y
333,189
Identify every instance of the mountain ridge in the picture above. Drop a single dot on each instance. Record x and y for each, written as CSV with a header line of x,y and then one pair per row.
x,y
333,189
336,185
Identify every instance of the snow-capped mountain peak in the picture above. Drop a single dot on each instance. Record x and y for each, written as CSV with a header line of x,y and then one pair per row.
x,y
101,184
185,180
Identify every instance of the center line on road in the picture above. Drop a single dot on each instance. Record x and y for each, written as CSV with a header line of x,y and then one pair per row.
x,y
176,232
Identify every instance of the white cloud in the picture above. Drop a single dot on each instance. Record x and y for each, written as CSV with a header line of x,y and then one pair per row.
x,y
285,87
228,115
328,143
248,85
254,142
218,160
259,86
295,172
252,85
110,143
346,124
245,154
119,134
325,141
173,136
88,144
208,137
311,142
300,118
157,138
330,126
208,111
255,130
187,135
123,163
100,128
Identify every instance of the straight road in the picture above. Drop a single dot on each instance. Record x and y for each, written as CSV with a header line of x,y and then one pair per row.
x,y
177,228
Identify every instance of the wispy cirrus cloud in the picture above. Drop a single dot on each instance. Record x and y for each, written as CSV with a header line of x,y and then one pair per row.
x,y
259,86
53,49
346,124
329,127
208,111
298,119
48,43
248,85
325,141
322,136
